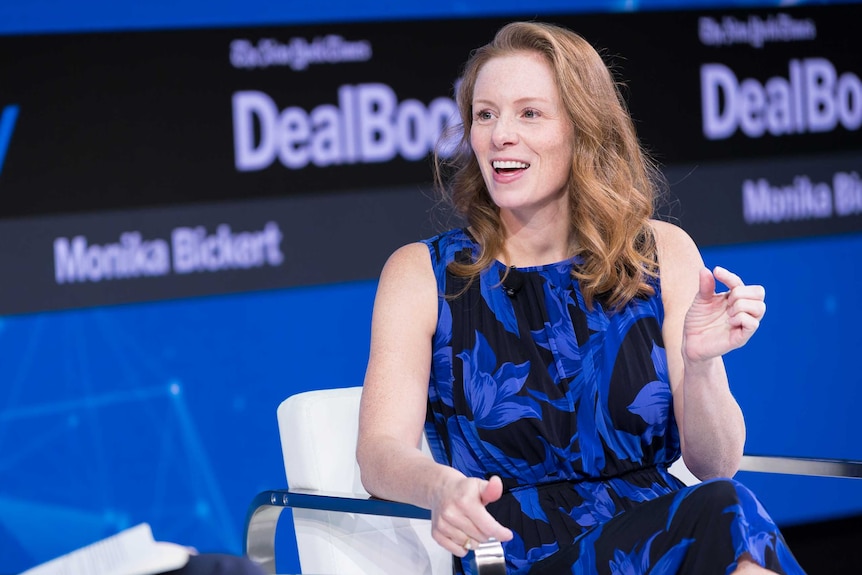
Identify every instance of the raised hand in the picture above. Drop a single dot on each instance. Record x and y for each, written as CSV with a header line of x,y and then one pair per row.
x,y
459,518
717,323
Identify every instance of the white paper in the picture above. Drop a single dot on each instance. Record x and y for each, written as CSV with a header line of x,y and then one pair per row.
x,y
130,552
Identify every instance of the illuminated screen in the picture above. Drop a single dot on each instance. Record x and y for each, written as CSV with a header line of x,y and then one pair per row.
x,y
196,203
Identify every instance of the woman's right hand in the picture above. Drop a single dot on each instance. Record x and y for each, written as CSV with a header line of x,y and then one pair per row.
x,y
459,520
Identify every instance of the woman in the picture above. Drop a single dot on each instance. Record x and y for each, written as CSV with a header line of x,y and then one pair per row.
x,y
563,349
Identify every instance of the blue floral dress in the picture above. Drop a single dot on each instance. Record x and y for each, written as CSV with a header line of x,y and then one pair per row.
x,y
572,409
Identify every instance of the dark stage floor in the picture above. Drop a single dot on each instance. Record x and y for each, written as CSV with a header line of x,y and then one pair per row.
x,y
828,547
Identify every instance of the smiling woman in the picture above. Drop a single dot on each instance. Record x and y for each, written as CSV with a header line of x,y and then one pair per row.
x,y
573,122
554,404
522,139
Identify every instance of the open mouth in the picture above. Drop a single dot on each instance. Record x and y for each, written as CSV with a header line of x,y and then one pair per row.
x,y
508,166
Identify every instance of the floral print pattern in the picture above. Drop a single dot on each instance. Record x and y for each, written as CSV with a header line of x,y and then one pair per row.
x,y
572,408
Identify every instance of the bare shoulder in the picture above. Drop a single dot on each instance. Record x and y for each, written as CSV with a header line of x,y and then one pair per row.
x,y
408,288
679,260
676,250
408,263
413,253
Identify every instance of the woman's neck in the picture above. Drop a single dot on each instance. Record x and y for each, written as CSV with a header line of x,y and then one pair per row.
x,y
534,243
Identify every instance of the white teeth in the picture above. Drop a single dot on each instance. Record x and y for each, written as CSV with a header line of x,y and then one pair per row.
x,y
509,165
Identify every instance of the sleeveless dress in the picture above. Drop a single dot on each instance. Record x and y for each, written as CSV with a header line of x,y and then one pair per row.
x,y
572,409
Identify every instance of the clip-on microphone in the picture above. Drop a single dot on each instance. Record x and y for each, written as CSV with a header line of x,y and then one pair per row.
x,y
513,282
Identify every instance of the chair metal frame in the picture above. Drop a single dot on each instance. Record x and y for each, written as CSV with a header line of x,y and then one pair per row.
x,y
266,508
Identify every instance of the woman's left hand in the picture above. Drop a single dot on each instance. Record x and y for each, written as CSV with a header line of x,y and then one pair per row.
x,y
717,323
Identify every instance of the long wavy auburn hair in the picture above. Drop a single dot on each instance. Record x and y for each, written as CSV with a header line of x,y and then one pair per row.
x,y
613,183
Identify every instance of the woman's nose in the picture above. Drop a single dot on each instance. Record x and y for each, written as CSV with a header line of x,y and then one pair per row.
x,y
504,133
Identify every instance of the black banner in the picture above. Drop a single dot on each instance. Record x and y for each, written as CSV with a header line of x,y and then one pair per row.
x,y
726,202
76,260
125,156
133,119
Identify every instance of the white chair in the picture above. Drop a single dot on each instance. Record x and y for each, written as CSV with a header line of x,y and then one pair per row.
x,y
324,460
341,530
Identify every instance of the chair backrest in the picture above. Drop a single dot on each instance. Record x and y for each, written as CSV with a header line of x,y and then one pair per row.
x,y
318,432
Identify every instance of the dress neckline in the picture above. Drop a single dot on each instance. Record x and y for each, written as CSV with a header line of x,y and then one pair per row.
x,y
538,268
526,269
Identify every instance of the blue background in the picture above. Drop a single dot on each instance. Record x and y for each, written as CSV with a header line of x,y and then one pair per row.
x,y
28,16
165,412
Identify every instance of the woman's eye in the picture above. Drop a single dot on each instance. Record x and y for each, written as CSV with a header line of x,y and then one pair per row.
x,y
484,115
531,113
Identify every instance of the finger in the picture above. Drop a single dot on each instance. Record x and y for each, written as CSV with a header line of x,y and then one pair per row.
x,y
452,533
746,323
492,490
727,277
452,545
490,527
754,308
461,542
465,546
466,520
482,527
752,292
459,530
706,288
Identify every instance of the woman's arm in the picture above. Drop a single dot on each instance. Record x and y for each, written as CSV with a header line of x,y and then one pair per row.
x,y
699,327
392,411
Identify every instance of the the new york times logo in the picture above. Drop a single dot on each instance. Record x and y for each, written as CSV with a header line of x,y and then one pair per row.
x,y
7,125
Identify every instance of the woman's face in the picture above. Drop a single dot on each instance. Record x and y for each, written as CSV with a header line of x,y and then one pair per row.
x,y
521,135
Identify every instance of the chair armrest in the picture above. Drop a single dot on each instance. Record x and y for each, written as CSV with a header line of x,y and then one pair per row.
x,y
266,507
802,466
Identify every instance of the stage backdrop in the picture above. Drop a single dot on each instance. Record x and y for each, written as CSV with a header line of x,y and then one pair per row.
x,y
195,208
